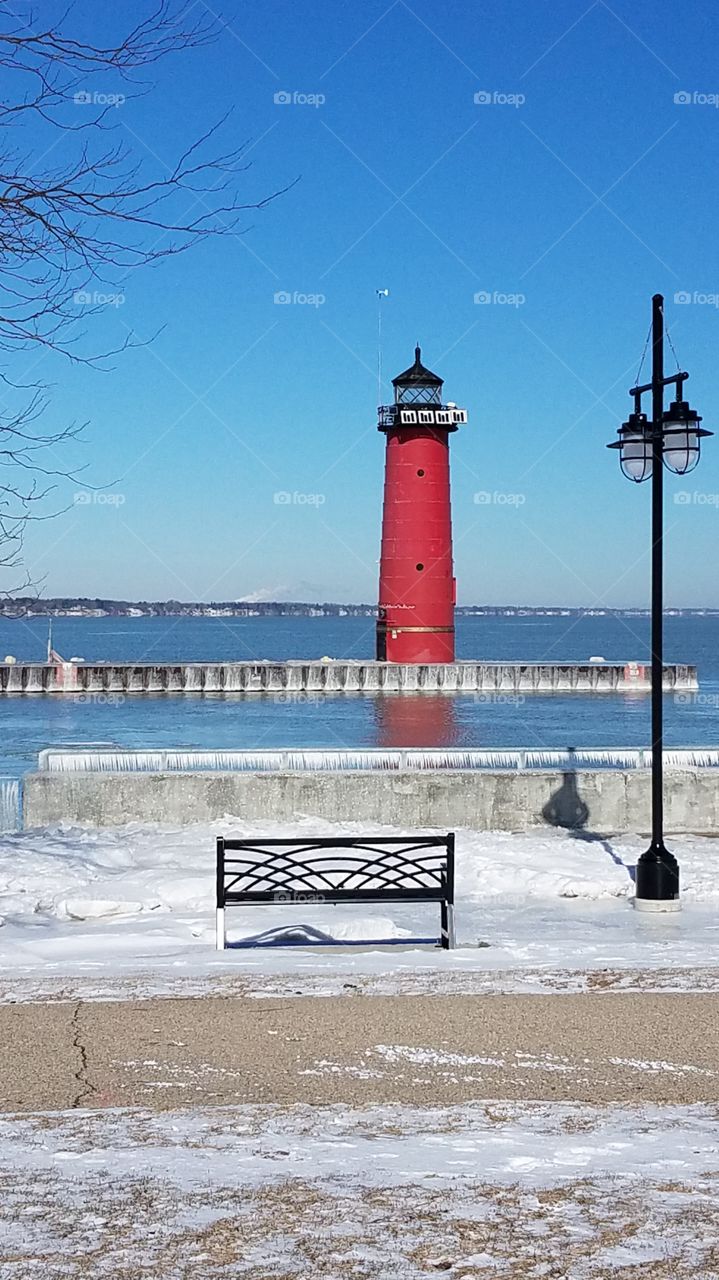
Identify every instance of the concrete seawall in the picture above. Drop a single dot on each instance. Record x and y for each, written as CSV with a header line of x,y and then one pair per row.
x,y
601,801
337,677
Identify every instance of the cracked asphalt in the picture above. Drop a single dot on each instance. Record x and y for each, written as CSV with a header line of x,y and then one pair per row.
x,y
423,1050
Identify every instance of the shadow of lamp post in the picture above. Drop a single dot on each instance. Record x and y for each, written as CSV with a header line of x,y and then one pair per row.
x,y
671,439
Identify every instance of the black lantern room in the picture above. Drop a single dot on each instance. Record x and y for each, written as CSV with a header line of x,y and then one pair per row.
x,y
417,385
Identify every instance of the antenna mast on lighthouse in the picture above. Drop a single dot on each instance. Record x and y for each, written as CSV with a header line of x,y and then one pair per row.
x,y
381,293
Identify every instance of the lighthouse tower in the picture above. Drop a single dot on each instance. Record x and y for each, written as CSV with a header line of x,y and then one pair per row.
x,y
416,583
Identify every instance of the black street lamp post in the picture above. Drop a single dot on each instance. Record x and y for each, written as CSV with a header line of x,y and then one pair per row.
x,y
672,439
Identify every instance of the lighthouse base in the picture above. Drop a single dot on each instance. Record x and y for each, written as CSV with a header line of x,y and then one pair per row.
x,y
414,644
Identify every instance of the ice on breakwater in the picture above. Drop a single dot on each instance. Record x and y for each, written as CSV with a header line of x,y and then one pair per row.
x,y
283,680
369,760
9,804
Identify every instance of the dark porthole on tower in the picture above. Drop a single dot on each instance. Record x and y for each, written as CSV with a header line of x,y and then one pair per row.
x,y
420,472
420,567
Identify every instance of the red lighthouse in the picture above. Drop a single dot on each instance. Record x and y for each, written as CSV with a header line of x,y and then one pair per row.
x,y
416,583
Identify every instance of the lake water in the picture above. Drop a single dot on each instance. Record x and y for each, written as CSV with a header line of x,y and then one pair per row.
x,y
352,720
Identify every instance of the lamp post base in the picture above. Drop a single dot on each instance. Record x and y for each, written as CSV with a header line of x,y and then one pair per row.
x,y
657,880
657,905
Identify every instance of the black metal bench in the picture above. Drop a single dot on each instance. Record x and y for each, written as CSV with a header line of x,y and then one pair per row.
x,y
336,870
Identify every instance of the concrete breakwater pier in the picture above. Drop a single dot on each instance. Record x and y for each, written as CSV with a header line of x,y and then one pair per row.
x,y
331,677
590,791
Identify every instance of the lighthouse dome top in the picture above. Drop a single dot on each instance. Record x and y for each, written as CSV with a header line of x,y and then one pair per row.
x,y
417,385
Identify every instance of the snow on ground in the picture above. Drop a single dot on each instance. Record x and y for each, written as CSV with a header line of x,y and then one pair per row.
x,y
494,1190
136,902
489,1191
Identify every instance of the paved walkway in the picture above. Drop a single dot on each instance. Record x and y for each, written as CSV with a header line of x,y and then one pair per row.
x,y
358,1050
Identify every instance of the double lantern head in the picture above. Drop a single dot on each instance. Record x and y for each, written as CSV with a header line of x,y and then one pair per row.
x,y
677,439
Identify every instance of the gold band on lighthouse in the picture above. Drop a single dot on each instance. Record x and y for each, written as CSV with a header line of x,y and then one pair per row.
x,y
390,626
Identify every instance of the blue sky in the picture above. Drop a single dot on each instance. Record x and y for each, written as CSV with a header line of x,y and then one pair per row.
x,y
594,192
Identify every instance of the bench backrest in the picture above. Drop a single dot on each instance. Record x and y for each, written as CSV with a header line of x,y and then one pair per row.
x,y
336,869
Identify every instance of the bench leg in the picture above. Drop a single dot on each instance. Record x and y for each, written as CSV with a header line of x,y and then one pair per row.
x,y
221,929
448,938
452,937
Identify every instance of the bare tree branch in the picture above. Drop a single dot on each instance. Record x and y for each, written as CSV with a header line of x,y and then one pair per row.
x,y
88,209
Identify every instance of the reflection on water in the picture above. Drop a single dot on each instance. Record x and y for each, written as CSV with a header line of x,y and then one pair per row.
x,y
416,720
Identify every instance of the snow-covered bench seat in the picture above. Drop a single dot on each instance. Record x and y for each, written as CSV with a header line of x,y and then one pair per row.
x,y
337,869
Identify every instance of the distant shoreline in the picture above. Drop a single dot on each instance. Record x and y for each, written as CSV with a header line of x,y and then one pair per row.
x,y
84,607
